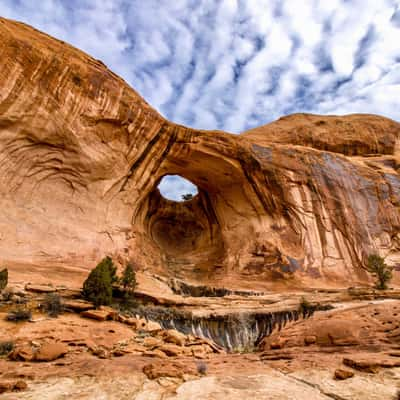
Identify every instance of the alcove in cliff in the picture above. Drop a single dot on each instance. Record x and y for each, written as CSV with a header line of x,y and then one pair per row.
x,y
181,222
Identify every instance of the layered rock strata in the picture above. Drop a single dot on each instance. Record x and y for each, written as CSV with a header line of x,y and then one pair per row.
x,y
301,201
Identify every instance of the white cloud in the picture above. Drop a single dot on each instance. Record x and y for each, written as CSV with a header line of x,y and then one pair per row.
x,y
236,64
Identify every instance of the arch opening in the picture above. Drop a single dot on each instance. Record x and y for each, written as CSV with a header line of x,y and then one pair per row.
x,y
177,188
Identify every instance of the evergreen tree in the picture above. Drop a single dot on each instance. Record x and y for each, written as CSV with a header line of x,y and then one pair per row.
x,y
98,286
376,266
129,279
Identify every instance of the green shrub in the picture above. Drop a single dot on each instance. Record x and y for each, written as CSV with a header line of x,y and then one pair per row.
x,y
98,286
18,315
6,348
3,279
52,304
128,280
380,270
305,307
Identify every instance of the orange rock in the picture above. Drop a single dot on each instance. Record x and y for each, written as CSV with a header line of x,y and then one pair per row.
x,y
173,336
164,369
20,385
152,342
99,315
51,351
6,386
342,374
24,353
40,288
109,150
171,350
277,344
311,339
77,305
155,353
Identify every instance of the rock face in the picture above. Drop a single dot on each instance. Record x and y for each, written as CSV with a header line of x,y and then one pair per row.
x,y
303,200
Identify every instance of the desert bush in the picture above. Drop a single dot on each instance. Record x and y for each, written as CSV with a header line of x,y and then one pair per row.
x,y
202,367
52,304
380,270
6,348
305,307
18,315
98,286
3,279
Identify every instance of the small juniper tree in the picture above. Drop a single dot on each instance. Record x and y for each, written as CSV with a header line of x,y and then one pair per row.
x,y
3,279
380,270
98,286
129,279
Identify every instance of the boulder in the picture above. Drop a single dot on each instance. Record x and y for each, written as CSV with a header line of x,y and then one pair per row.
x,y
342,374
310,339
155,353
51,351
165,369
98,315
371,362
171,350
6,386
277,344
77,305
22,353
173,336
152,342
40,288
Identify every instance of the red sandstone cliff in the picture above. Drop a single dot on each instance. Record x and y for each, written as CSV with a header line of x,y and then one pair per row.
x,y
302,200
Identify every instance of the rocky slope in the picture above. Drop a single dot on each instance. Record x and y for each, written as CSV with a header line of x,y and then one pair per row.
x,y
301,201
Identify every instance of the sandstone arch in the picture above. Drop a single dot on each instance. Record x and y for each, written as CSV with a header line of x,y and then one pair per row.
x,y
300,201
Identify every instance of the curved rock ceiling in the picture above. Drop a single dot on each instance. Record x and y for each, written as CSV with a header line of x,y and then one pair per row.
x,y
301,201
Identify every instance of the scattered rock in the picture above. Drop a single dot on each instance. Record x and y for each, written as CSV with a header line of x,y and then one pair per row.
x,y
310,339
10,386
155,353
100,352
152,326
51,351
370,363
164,369
152,342
171,350
22,353
98,315
77,305
173,336
276,356
200,351
342,374
6,386
133,322
40,288
20,385
277,344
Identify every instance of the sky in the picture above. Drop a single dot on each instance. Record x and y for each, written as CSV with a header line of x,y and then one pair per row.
x,y
236,64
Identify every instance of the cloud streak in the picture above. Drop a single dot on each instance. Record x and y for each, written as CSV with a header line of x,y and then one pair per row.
x,y
237,64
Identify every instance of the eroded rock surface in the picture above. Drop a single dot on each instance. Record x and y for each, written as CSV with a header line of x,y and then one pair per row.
x,y
303,200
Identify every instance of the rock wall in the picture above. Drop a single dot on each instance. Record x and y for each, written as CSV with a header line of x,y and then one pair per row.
x,y
301,201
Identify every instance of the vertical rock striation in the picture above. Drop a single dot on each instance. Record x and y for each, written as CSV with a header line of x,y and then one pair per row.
x,y
301,201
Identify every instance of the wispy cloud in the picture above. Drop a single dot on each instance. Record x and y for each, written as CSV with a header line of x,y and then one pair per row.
x,y
237,64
